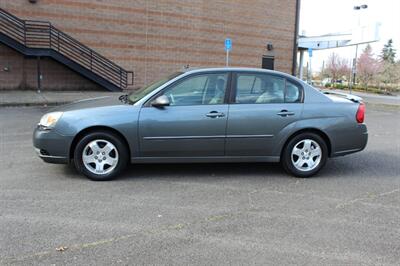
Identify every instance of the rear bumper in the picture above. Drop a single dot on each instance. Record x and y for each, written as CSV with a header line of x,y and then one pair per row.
x,y
354,142
51,146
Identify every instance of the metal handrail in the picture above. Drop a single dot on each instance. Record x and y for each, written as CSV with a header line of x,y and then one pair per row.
x,y
42,34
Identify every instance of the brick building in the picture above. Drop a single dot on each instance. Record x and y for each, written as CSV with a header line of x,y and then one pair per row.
x,y
154,37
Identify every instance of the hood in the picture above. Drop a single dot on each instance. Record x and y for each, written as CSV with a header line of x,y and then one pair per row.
x,y
91,103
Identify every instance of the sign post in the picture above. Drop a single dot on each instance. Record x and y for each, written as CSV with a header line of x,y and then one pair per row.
x,y
228,48
310,71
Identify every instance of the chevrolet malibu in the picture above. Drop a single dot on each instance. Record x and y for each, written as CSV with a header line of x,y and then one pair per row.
x,y
203,116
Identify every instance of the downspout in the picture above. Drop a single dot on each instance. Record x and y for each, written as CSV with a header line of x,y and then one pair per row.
x,y
296,34
39,75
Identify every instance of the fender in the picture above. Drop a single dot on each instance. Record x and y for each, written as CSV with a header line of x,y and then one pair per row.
x,y
324,125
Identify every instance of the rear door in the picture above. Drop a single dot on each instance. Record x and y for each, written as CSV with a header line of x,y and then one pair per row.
x,y
262,106
194,125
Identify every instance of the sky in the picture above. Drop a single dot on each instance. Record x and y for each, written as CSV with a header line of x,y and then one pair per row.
x,y
319,17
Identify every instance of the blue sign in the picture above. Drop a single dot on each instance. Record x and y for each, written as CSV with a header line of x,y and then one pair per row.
x,y
310,52
228,44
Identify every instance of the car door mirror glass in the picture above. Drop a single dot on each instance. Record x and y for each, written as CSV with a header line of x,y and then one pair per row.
x,y
161,101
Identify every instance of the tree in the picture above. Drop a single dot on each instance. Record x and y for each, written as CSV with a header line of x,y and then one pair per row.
x,y
388,52
367,66
390,72
337,67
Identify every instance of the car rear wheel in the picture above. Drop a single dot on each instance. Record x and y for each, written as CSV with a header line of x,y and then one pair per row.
x,y
100,156
304,155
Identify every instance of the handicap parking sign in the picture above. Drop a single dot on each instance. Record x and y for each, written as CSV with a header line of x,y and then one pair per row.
x,y
228,44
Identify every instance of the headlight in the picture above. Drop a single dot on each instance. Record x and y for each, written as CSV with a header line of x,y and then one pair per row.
x,y
49,120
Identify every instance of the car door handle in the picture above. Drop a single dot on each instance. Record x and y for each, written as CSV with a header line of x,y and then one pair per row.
x,y
285,113
215,114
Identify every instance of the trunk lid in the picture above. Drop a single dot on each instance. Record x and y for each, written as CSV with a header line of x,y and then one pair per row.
x,y
342,97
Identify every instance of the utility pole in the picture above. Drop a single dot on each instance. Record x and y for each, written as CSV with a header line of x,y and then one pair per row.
x,y
301,63
356,8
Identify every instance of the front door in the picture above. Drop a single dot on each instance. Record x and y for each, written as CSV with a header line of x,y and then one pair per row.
x,y
262,107
193,125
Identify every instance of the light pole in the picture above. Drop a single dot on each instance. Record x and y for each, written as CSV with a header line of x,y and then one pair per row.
x,y
356,8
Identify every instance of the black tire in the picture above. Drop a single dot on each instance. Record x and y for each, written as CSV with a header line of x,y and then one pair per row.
x,y
286,158
114,140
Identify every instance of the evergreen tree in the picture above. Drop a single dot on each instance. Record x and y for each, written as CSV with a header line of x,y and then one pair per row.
x,y
388,52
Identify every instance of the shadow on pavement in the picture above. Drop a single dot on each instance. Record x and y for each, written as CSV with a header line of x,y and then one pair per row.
x,y
365,163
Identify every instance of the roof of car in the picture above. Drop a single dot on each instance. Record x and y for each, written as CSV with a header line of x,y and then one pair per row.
x,y
195,69
243,69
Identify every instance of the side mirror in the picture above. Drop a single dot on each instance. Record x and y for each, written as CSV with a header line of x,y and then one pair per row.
x,y
160,101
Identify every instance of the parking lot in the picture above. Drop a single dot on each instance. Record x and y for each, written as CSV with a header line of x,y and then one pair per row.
x,y
206,214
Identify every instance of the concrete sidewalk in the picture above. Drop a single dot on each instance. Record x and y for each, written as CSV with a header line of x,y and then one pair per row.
x,y
53,98
47,98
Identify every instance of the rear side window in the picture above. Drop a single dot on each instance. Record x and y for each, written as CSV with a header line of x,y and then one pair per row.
x,y
293,93
248,85
259,88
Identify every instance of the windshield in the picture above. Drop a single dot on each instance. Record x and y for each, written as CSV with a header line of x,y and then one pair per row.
x,y
140,93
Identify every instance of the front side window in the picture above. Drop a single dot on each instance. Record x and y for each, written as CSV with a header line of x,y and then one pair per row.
x,y
201,89
139,94
259,88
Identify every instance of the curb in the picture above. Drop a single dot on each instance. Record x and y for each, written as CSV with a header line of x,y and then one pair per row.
x,y
385,105
34,104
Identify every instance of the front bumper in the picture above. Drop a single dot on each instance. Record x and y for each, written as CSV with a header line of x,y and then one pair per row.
x,y
51,146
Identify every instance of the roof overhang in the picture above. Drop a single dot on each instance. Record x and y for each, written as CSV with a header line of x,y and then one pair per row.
x,y
360,35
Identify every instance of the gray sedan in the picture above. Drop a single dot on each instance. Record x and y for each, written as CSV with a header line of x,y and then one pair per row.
x,y
206,115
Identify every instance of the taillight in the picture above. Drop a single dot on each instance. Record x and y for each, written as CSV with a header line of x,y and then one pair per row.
x,y
360,113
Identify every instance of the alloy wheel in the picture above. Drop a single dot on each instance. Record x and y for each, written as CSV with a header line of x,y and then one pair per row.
x,y
306,155
100,157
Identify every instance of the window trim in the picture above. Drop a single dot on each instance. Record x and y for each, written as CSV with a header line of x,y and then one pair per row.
x,y
227,89
232,98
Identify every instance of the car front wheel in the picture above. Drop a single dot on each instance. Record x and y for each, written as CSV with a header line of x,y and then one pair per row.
x,y
100,156
304,155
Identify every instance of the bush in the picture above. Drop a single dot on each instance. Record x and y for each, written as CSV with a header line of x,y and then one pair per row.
x,y
328,85
372,90
340,86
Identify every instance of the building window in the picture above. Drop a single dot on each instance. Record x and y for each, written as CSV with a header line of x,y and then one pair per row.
x,y
268,62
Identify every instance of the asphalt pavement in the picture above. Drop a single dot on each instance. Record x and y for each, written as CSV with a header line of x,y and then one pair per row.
x,y
202,214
